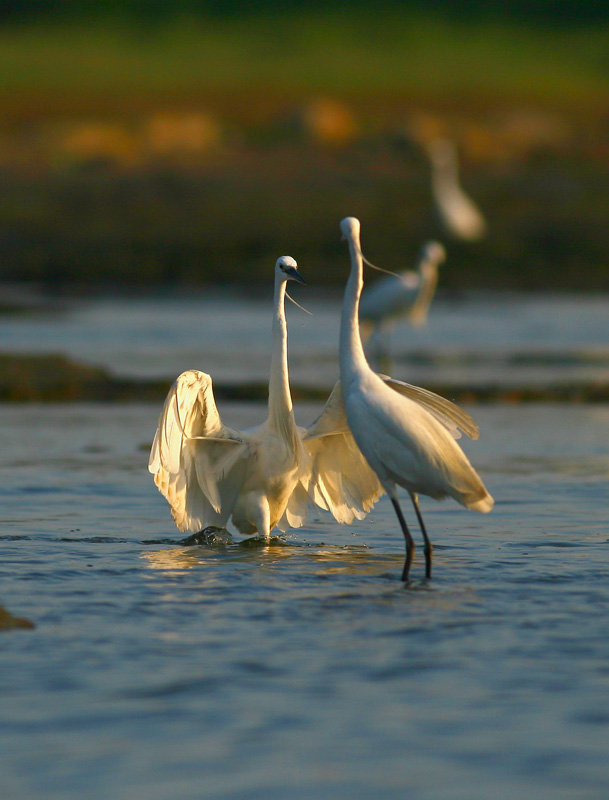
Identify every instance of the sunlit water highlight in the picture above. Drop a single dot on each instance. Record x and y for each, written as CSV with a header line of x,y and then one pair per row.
x,y
303,668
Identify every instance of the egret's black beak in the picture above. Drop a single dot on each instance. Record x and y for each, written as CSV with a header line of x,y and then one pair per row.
x,y
295,275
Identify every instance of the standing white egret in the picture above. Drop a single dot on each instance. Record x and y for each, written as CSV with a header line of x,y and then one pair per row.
x,y
406,440
458,212
407,294
262,477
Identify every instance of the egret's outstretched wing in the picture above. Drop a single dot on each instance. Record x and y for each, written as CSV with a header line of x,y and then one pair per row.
x,y
340,481
453,418
195,458
295,513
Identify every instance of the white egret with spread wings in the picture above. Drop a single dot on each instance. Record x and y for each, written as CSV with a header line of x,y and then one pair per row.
x,y
408,440
263,477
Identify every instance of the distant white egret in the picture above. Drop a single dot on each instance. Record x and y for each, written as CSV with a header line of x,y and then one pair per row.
x,y
262,477
458,212
407,294
407,440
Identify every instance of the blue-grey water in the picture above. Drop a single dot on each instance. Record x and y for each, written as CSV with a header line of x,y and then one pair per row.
x,y
477,338
305,668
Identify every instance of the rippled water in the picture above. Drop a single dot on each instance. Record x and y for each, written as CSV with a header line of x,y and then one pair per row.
x,y
302,669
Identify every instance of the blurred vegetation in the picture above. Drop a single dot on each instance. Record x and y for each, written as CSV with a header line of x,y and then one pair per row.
x,y
141,147
554,11
57,379
38,378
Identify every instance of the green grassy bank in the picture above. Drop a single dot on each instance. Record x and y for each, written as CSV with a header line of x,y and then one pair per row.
x,y
342,51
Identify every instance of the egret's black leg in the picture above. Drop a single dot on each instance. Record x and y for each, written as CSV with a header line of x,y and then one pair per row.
x,y
410,546
428,546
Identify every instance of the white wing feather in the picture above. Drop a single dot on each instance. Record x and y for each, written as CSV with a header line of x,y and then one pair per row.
x,y
453,418
340,481
196,460
295,514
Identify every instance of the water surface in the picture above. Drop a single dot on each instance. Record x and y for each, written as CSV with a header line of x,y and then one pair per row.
x,y
475,339
303,668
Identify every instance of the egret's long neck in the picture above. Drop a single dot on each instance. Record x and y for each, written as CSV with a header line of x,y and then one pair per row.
x,y
445,174
280,399
428,273
352,359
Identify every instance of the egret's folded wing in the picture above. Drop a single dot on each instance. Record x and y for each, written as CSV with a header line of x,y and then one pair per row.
x,y
192,452
341,480
409,279
455,419
389,296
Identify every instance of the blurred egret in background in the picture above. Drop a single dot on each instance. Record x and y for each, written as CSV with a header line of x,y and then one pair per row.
x,y
407,437
458,212
408,294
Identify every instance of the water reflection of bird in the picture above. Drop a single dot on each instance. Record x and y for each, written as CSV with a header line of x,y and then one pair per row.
x,y
262,477
458,212
408,440
407,294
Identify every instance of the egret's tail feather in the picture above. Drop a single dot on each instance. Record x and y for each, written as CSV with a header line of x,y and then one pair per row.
x,y
482,504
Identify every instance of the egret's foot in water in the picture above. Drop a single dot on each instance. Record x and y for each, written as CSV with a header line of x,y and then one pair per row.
x,y
209,535
256,541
